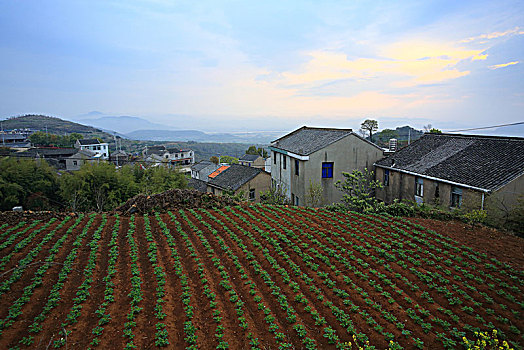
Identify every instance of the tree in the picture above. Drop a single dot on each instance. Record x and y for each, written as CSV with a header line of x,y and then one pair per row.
x,y
359,190
431,130
257,151
228,160
214,159
32,184
370,126
275,195
314,194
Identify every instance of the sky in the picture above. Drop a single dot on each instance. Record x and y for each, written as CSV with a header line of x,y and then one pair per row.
x,y
266,65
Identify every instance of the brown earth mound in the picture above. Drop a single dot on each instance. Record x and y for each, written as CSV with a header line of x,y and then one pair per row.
x,y
14,217
173,199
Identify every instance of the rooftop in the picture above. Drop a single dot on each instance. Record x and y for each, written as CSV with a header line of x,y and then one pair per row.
x,y
486,162
307,140
197,184
218,171
85,142
201,165
249,157
234,177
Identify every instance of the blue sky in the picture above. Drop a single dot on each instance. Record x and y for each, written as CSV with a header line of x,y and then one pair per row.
x,y
266,65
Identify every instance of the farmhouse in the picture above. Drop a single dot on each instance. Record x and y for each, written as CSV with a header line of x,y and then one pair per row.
x,y
456,171
240,178
173,157
318,156
254,160
202,170
101,148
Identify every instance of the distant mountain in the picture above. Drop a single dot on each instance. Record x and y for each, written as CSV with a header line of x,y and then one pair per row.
x,y
53,125
122,124
199,136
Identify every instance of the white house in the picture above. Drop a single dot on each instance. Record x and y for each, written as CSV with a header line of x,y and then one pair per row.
x,y
100,148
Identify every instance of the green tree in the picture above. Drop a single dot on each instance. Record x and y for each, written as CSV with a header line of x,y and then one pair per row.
x,y
228,160
370,126
314,194
274,196
359,190
257,151
32,184
214,159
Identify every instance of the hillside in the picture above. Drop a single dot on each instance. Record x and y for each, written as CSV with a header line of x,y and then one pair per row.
x,y
253,277
53,125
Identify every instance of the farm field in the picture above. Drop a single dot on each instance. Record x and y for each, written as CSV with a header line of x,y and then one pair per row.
x,y
250,277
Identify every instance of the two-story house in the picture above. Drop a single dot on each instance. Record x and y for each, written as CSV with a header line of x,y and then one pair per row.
x,y
95,145
319,156
455,171
173,157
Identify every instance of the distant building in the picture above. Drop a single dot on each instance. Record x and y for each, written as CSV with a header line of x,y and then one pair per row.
x,y
75,161
61,158
455,171
120,157
240,179
202,170
101,148
173,157
319,156
253,160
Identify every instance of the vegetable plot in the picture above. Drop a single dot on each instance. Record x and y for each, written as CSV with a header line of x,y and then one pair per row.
x,y
250,278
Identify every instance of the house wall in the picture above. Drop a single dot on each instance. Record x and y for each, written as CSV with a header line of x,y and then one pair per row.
x,y
281,177
505,199
402,187
347,154
261,183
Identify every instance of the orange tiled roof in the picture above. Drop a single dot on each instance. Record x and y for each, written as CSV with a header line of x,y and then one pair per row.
x,y
218,171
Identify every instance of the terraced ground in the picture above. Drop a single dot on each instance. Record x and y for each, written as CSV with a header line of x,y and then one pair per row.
x,y
253,277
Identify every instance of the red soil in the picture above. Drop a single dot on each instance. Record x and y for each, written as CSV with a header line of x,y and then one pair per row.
x,y
330,247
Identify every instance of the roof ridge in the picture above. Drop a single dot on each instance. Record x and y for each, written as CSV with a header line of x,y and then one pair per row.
x,y
517,138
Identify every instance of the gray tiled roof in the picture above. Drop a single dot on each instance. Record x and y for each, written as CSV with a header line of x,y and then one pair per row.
x,y
234,176
306,140
89,142
486,162
197,184
249,157
201,165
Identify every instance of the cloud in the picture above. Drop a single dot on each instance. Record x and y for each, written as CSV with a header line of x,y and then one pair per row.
x,y
497,66
494,35
409,63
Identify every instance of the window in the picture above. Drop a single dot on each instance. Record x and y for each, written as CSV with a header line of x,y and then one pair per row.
x,y
437,191
296,201
75,162
386,177
284,162
274,157
252,194
297,164
419,187
327,170
456,197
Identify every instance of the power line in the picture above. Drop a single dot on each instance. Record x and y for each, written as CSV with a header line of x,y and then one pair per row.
x,y
488,127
